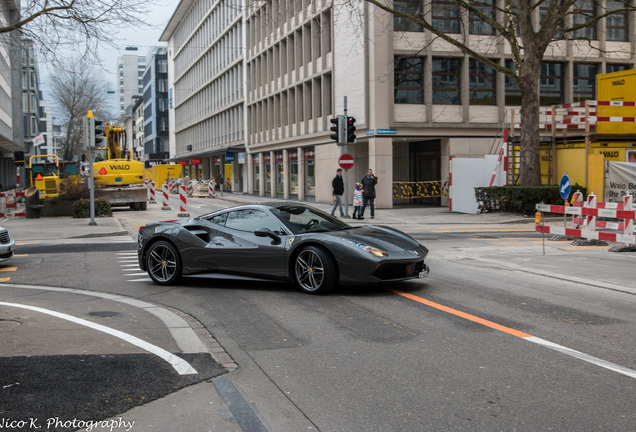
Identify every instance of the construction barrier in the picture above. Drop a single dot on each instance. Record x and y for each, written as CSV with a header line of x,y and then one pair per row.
x,y
183,202
151,192
165,196
585,224
9,204
427,189
212,189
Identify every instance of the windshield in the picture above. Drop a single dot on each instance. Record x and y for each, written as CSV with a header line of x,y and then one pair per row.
x,y
301,219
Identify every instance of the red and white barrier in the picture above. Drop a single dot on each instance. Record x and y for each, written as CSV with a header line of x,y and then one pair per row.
x,y
586,225
151,192
183,202
190,188
166,197
9,204
212,189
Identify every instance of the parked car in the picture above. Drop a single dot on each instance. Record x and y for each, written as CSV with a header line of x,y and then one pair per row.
x,y
7,245
287,241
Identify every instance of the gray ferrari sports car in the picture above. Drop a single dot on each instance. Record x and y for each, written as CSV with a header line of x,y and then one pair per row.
x,y
288,241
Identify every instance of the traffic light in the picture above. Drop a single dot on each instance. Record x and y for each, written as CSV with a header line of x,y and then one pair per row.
x,y
351,130
95,136
99,138
19,158
339,129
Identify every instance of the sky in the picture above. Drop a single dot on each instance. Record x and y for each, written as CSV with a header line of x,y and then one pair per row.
x,y
143,39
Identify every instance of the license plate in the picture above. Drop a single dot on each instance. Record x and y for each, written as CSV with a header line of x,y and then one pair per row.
x,y
422,274
118,180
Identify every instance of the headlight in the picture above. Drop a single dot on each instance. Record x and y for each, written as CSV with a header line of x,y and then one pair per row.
x,y
372,250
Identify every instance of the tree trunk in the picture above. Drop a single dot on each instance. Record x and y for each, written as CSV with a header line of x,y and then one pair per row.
x,y
530,162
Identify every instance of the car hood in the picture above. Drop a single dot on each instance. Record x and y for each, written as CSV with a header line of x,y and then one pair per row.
x,y
381,237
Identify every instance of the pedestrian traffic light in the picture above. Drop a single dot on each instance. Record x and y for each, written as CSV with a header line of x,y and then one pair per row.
x,y
351,130
339,129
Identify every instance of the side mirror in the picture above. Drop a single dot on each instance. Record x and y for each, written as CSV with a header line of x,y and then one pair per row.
x,y
266,232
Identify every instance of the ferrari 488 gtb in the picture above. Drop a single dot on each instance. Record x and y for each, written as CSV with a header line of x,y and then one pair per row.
x,y
279,241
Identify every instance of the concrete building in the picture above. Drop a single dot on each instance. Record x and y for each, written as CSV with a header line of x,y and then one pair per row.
x,y
130,71
11,112
34,115
206,89
155,106
417,99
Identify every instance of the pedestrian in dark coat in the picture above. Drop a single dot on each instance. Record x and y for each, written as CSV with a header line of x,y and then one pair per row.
x,y
368,196
337,184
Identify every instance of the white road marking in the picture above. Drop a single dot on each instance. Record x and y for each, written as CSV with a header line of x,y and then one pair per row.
x,y
582,356
181,366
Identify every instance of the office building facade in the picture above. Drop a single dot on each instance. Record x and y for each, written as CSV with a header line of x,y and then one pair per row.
x,y
417,99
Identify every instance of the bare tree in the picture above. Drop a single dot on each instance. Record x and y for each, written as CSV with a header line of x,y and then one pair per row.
x,y
76,90
528,27
79,26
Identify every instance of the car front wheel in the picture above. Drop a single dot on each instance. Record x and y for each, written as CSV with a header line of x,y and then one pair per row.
x,y
315,270
163,263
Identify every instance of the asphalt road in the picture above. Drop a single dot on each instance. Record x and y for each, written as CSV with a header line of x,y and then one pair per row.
x,y
500,336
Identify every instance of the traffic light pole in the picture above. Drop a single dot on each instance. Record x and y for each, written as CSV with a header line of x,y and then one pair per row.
x,y
89,137
346,175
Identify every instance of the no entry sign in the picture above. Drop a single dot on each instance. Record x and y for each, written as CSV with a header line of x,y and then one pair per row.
x,y
345,161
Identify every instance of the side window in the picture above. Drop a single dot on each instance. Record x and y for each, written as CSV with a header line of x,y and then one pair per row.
x,y
250,220
219,219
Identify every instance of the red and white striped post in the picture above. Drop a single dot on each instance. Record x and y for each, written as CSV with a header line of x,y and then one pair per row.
x,y
166,198
450,183
151,192
211,189
183,201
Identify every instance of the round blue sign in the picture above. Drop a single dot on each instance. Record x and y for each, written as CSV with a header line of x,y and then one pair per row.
x,y
564,187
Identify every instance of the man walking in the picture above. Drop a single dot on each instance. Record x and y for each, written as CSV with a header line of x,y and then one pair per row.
x,y
337,185
368,196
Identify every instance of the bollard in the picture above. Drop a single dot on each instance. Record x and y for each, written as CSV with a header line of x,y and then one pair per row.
x,y
151,192
166,198
211,189
183,201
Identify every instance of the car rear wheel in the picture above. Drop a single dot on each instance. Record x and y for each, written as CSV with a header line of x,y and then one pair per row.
x,y
315,270
163,263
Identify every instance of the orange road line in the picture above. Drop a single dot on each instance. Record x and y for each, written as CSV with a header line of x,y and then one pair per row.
x,y
5,279
8,269
464,315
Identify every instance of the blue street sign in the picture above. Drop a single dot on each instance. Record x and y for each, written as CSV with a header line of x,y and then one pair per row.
x,y
564,187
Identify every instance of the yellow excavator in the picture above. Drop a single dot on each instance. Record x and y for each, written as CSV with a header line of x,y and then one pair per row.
x,y
51,176
118,176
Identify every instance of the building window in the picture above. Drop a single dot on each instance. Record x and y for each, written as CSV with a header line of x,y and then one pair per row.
x,y
310,173
478,26
513,92
551,84
616,23
293,172
482,84
410,7
257,173
584,84
445,16
617,67
409,80
446,81
584,11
